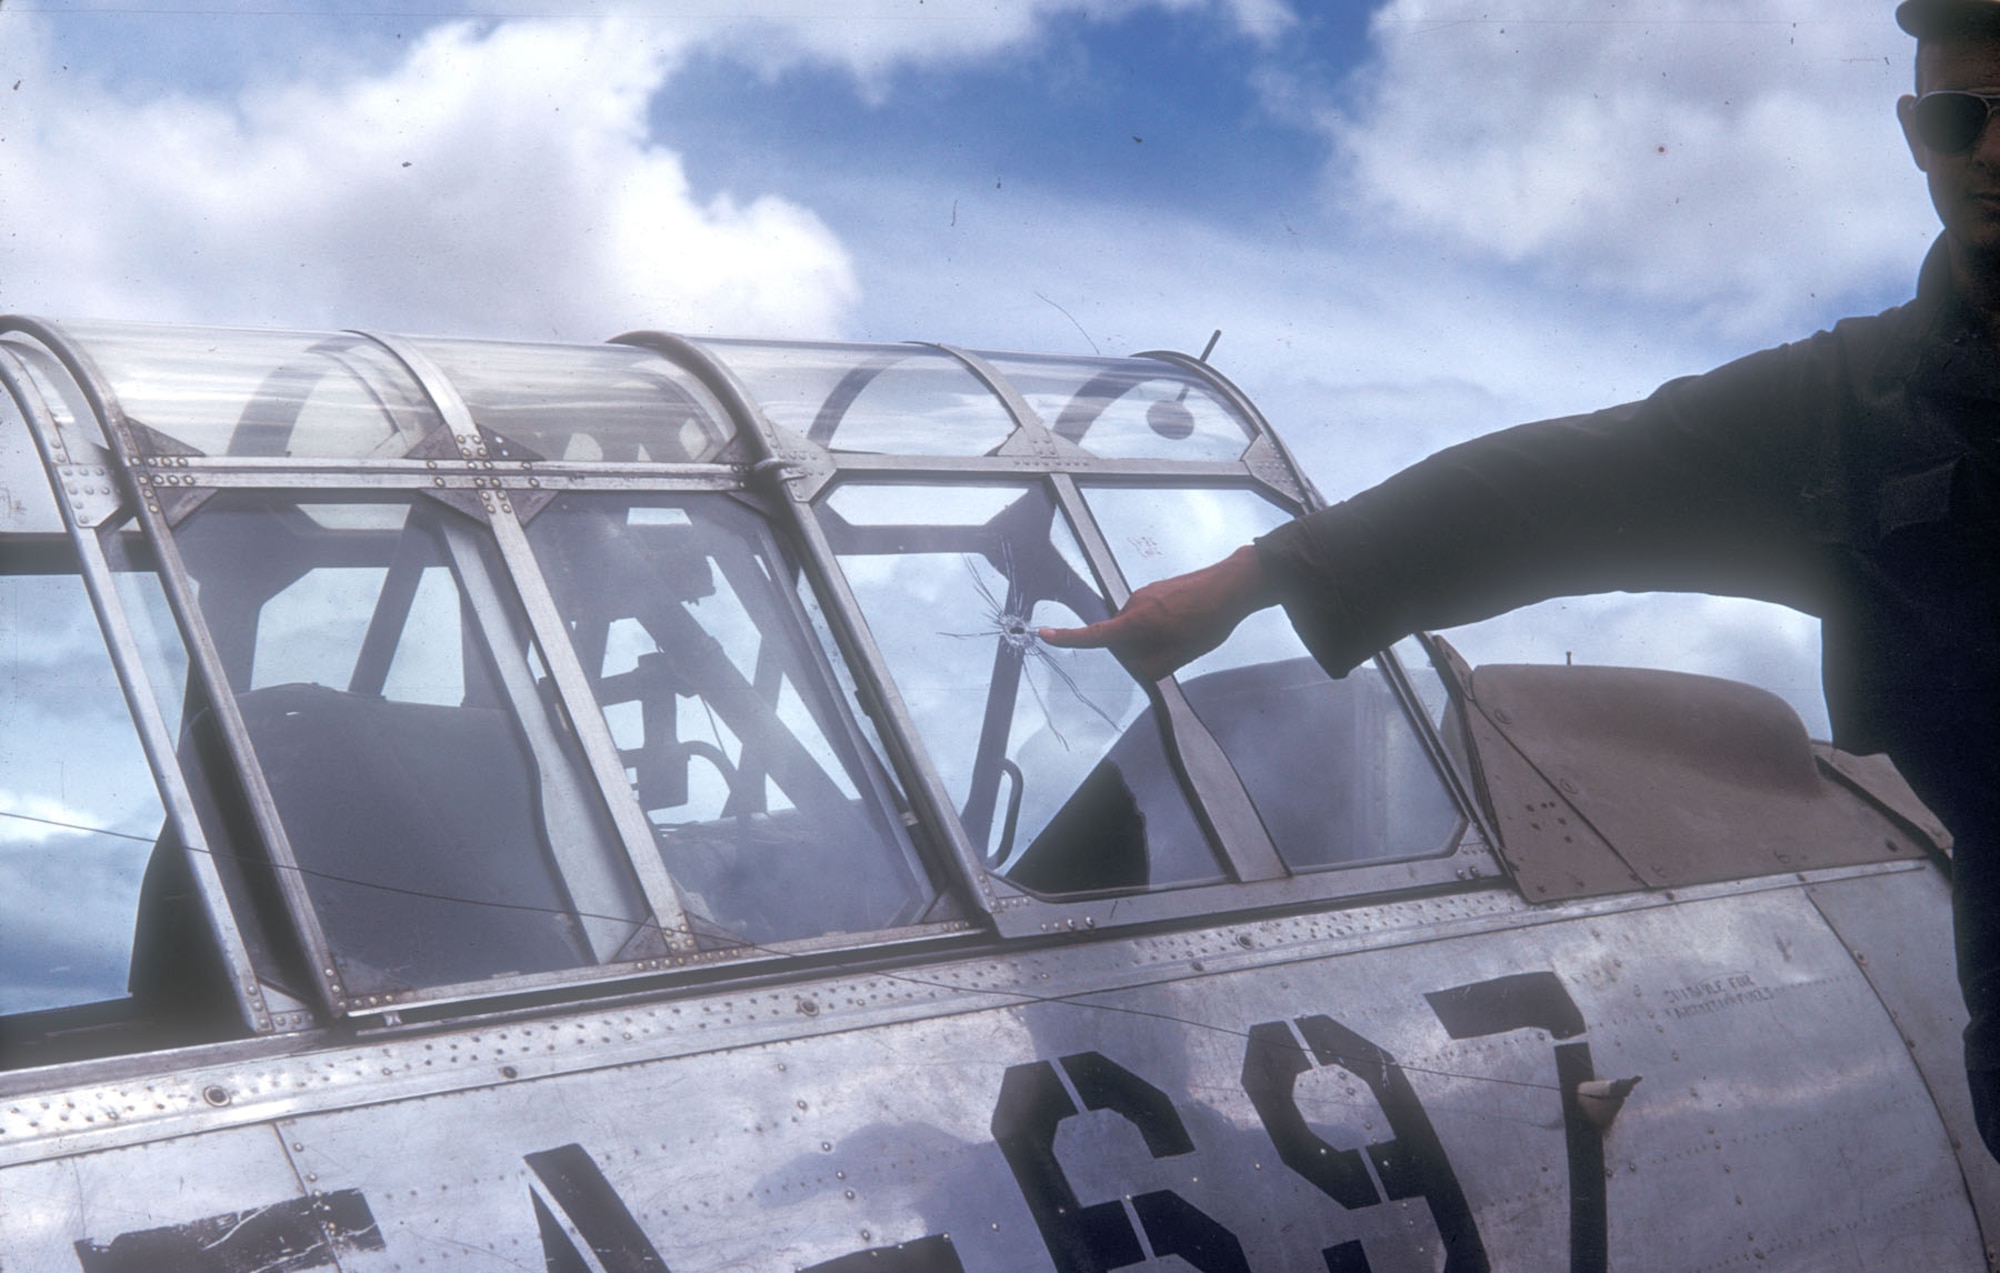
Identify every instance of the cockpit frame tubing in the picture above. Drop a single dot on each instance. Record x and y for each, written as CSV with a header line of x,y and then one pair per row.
x,y
1267,459
1220,801
407,476
1014,467
552,636
141,701
1391,663
1268,463
850,632
207,664
1011,913
1014,913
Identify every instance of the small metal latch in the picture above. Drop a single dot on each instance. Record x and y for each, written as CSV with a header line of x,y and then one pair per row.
x,y
773,470
1601,1099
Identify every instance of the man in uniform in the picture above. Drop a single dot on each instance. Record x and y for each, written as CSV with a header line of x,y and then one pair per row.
x,y
1854,475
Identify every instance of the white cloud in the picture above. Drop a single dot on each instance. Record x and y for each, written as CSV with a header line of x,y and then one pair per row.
x,y
871,38
1520,245
1754,642
1735,163
67,936
501,183
1365,361
496,180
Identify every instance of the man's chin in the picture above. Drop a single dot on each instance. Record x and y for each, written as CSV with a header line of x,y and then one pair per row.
x,y
1975,244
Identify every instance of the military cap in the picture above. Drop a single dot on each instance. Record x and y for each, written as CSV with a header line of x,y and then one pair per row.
x,y
1930,19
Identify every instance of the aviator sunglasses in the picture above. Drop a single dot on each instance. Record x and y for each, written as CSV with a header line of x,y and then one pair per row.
x,y
1949,121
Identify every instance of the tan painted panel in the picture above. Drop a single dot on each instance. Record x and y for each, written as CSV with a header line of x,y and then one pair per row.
x,y
1687,779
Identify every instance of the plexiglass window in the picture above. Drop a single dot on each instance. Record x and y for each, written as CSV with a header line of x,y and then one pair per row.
x,y
896,399
605,402
260,393
88,865
76,427
79,814
773,819
441,816
1335,768
1053,757
1128,408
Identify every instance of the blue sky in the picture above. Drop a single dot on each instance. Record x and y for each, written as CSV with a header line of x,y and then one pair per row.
x,y
1413,220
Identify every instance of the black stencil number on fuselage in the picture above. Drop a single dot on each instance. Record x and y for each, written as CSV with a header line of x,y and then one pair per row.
x,y
1101,1236
1411,1163
577,1187
1539,1001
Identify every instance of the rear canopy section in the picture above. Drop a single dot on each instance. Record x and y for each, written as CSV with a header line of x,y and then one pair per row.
x,y
357,675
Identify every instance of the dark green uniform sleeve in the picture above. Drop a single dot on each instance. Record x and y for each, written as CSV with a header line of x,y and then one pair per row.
x,y
1708,485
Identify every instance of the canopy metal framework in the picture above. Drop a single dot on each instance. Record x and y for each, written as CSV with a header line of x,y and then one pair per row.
x,y
467,670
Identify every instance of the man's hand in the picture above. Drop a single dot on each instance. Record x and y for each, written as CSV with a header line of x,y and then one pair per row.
x,y
1175,621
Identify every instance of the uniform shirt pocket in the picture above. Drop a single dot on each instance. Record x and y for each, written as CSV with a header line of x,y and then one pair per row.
x,y
1917,498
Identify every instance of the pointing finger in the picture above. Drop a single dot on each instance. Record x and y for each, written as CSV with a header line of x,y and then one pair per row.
x,y
1091,637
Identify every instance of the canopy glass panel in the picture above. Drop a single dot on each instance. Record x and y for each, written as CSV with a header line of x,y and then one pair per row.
x,y
770,814
77,428
569,402
889,399
438,810
79,814
1336,770
1053,758
1128,408
258,393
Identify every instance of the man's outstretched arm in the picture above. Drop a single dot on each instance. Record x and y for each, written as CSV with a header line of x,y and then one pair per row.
x,y
1696,488
1169,624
